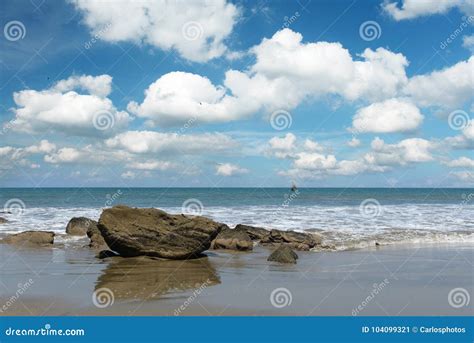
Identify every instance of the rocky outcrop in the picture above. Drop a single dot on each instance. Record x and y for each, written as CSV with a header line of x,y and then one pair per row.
x,y
96,240
283,254
30,238
233,239
78,226
295,240
255,233
152,232
106,254
3,220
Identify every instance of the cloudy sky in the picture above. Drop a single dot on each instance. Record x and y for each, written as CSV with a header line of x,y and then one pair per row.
x,y
237,93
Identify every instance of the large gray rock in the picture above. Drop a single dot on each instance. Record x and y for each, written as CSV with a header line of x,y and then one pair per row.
x,y
153,232
255,233
78,226
283,254
295,240
233,239
30,238
96,240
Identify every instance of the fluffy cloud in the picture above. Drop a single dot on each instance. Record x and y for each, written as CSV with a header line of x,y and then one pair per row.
x,y
196,30
393,115
406,151
229,169
468,42
354,142
462,162
464,176
447,88
12,155
282,147
150,142
178,97
415,8
151,165
63,110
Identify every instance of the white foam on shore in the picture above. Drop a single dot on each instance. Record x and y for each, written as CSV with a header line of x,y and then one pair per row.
x,y
342,226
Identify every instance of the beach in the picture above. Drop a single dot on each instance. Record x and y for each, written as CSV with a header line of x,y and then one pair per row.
x,y
384,281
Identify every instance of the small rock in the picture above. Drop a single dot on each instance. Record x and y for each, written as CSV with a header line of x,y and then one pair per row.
x,y
232,239
3,220
78,226
283,254
96,240
30,238
106,253
296,240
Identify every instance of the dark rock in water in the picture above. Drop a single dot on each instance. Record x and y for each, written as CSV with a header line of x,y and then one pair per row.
x,y
296,240
29,238
3,220
106,253
232,239
140,278
283,254
255,233
377,244
78,226
153,232
96,240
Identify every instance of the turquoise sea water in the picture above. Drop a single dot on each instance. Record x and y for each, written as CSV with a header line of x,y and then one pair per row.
x,y
345,216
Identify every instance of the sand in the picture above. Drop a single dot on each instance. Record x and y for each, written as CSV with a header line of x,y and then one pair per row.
x,y
383,281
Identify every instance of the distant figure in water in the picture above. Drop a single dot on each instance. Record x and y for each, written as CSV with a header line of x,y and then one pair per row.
x,y
293,187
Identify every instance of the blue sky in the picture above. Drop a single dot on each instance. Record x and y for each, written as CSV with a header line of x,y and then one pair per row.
x,y
243,93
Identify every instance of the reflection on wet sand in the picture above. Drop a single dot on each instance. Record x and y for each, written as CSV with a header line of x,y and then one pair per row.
x,y
147,278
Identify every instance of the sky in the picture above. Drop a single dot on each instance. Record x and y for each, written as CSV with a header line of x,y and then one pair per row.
x,y
236,93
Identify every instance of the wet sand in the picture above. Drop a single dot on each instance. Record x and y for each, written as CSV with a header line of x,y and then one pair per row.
x,y
387,281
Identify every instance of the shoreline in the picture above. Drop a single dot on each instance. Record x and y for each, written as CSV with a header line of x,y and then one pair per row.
x,y
417,280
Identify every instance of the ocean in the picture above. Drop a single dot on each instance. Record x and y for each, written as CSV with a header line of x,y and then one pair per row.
x,y
346,217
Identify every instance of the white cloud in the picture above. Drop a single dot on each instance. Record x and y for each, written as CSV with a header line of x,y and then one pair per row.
x,y
66,155
149,142
229,169
465,176
462,162
129,175
468,42
282,147
410,150
393,115
151,165
411,9
195,29
95,85
62,110
450,87
354,142
314,161
178,97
